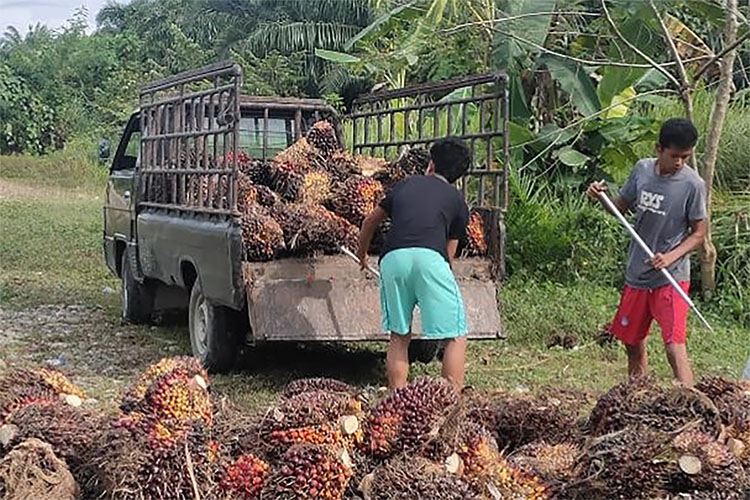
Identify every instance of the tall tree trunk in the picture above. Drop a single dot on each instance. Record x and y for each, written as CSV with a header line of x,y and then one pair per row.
x,y
708,165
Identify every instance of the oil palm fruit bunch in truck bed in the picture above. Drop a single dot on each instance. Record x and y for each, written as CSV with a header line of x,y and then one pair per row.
x,y
310,198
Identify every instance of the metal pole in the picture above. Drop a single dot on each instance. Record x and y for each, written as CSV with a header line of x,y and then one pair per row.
x,y
612,208
351,255
746,373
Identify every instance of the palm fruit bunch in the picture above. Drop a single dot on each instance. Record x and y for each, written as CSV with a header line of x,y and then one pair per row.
x,y
244,478
677,407
301,156
476,240
482,465
315,188
265,196
174,405
727,395
408,478
520,419
621,465
258,171
247,194
325,384
412,161
312,408
32,471
553,463
236,432
309,472
369,165
322,136
342,165
389,177
286,179
405,418
644,402
72,432
280,440
128,467
262,236
699,463
311,229
737,438
611,410
356,197
136,393
23,387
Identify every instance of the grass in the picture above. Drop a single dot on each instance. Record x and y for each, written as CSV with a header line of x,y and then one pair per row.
x,y
58,306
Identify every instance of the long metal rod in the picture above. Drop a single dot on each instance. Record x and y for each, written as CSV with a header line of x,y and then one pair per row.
x,y
612,208
351,255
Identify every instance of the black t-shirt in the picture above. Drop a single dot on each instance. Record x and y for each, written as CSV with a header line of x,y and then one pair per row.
x,y
425,212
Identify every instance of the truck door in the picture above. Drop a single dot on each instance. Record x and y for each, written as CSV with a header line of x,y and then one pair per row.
x,y
119,208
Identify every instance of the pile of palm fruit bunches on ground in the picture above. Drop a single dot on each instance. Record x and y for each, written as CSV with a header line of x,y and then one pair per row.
x,y
171,437
312,197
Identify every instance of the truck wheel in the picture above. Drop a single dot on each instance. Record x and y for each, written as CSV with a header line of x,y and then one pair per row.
x,y
211,339
137,298
423,350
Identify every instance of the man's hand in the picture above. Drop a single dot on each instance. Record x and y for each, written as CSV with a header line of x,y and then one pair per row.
x,y
595,188
362,256
663,260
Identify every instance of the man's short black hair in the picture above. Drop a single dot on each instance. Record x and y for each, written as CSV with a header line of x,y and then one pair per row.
x,y
679,133
451,158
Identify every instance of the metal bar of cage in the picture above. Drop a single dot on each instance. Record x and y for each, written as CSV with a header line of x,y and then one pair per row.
x,y
482,118
187,121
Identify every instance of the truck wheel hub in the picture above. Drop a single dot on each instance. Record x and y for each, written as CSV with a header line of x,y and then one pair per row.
x,y
201,327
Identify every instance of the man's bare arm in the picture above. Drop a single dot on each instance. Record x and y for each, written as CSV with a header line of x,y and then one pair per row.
x,y
600,187
366,233
698,234
452,247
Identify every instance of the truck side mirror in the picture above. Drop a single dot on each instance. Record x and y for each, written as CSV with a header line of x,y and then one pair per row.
x,y
104,150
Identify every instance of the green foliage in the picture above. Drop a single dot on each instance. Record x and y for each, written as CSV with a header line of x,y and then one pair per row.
x,y
27,124
560,235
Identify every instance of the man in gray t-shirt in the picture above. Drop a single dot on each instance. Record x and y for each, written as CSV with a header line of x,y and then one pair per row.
x,y
669,201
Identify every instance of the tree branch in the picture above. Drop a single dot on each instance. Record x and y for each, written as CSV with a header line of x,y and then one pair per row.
x,y
685,87
588,62
721,54
635,49
492,22
672,47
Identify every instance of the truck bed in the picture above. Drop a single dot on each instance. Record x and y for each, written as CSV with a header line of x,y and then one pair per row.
x,y
328,298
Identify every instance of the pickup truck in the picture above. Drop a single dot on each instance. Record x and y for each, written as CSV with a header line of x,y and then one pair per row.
x,y
174,248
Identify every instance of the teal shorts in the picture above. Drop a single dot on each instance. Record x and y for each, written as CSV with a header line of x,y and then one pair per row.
x,y
411,277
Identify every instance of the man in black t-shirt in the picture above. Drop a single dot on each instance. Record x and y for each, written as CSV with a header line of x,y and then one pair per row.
x,y
428,218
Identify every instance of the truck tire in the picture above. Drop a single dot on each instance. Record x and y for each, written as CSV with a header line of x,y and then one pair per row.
x,y
211,338
137,298
423,351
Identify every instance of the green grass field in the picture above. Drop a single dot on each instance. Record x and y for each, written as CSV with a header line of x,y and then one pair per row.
x,y
59,302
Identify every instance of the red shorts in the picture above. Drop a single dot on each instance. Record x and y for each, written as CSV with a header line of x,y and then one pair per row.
x,y
638,306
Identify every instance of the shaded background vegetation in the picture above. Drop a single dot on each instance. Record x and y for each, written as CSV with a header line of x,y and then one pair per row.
x,y
575,117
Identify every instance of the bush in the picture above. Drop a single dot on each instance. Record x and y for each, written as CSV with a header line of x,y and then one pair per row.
x,y
73,166
558,234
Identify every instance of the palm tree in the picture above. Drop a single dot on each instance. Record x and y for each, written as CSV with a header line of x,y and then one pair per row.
x,y
291,27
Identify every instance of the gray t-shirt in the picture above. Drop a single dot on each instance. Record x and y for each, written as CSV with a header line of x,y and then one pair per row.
x,y
664,206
